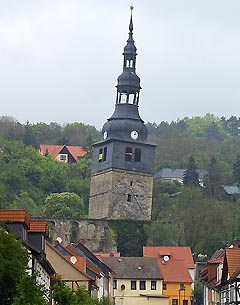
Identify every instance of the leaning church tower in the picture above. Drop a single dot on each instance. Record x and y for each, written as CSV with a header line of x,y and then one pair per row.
x,y
122,173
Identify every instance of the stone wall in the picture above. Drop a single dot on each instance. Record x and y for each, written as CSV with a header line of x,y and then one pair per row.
x,y
96,235
120,194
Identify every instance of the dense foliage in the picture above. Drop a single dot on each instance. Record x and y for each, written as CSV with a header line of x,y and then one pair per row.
x,y
13,263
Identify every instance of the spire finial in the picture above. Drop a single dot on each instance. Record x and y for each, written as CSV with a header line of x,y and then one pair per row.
x,y
131,23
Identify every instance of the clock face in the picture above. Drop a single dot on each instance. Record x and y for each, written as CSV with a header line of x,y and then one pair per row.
x,y
105,135
134,135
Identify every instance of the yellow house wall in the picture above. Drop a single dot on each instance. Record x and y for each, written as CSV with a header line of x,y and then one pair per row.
x,y
132,297
174,292
65,270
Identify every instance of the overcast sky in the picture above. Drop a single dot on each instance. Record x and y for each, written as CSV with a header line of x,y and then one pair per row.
x,y
60,59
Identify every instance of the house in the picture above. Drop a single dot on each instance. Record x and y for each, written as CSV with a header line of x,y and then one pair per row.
x,y
177,268
137,280
177,174
230,280
210,277
33,234
77,259
63,153
69,268
221,277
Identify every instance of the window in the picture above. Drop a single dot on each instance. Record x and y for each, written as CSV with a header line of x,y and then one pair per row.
x,y
105,154
128,154
63,157
153,285
100,155
142,285
129,198
185,302
133,285
114,284
131,183
137,155
182,287
164,286
174,301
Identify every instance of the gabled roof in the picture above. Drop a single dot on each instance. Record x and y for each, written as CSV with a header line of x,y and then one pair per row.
x,y
134,267
18,216
233,261
38,226
67,259
180,253
175,271
176,173
54,150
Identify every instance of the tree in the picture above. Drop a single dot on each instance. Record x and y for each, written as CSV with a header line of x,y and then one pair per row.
x,y
236,170
63,205
191,177
13,263
161,234
29,292
213,179
63,295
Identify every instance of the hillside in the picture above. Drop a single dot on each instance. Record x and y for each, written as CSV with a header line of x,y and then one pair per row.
x,y
205,218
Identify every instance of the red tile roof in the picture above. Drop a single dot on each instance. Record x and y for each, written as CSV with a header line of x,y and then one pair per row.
x,y
19,216
175,271
38,225
182,253
54,150
233,260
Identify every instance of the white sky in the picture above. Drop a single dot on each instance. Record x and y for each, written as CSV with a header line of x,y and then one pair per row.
x,y
60,59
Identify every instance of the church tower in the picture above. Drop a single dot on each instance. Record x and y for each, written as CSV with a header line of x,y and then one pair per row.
x,y
122,173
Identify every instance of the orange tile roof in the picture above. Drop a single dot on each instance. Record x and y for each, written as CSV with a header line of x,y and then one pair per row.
x,y
39,225
20,216
181,253
54,150
233,260
76,151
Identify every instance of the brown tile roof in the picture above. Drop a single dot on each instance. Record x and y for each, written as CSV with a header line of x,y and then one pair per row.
x,y
20,216
54,150
38,225
134,267
180,253
233,260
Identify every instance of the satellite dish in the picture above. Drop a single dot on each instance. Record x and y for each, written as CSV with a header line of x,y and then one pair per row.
x,y
166,258
58,239
73,260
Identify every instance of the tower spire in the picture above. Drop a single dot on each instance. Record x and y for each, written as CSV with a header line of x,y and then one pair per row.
x,y
128,83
